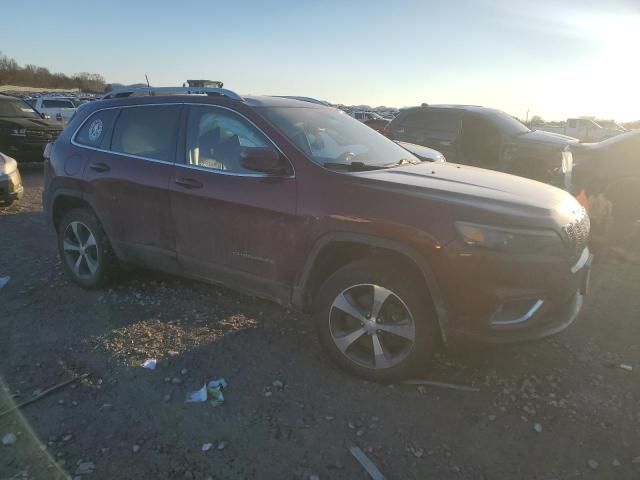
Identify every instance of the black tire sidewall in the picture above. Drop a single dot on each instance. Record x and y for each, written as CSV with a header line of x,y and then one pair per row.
x,y
411,291
101,276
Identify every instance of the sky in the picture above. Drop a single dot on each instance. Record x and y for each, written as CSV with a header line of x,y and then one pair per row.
x,y
553,58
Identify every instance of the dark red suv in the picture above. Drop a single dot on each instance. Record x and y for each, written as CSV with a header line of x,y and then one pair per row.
x,y
301,204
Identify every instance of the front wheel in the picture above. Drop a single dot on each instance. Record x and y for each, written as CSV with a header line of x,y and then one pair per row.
x,y
84,249
374,320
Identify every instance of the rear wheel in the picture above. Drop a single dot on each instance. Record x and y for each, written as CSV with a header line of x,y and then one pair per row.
x,y
374,321
84,249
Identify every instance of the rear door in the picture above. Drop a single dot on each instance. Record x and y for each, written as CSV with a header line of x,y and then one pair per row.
x,y
434,128
128,172
232,225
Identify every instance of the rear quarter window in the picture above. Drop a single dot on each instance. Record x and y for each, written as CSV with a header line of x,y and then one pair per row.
x,y
96,130
418,125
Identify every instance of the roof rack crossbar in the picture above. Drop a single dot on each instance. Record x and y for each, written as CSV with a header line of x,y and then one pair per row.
x,y
126,92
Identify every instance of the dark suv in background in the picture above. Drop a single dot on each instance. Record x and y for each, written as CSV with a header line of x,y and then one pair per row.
x,y
487,138
301,204
24,132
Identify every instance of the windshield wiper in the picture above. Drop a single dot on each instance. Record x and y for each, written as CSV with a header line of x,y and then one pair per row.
x,y
402,161
352,166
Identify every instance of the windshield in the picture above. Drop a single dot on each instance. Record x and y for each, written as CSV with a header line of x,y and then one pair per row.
x,y
331,138
16,108
508,124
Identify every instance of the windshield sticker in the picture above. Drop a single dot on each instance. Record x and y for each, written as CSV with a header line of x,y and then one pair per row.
x,y
95,130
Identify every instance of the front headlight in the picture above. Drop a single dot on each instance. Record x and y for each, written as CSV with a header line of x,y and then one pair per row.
x,y
7,165
510,240
18,132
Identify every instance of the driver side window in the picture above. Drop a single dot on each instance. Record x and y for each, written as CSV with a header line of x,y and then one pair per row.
x,y
215,138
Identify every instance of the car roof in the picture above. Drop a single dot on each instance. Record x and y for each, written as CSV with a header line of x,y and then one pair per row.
x,y
253,101
466,108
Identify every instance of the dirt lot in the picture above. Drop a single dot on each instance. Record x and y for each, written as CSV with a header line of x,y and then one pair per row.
x,y
557,409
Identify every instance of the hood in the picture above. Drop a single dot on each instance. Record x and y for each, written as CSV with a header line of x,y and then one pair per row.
x,y
477,188
539,136
23,122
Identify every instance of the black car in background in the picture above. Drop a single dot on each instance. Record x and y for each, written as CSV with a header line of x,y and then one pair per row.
x,y
487,138
611,168
23,131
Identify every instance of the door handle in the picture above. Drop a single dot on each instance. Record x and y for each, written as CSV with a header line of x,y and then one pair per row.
x,y
99,167
188,183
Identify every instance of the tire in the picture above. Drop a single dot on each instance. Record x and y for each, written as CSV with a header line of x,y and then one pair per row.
x,y
405,327
85,251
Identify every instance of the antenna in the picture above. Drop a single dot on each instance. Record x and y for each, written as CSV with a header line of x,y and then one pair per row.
x,y
148,86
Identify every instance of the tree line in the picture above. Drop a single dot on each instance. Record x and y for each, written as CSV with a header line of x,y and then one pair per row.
x,y
34,76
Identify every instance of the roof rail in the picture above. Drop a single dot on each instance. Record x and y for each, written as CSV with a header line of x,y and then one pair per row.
x,y
152,91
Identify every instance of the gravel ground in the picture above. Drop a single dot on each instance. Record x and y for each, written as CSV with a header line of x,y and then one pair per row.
x,y
561,408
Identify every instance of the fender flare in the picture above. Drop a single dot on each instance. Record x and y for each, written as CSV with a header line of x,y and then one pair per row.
x,y
59,192
298,296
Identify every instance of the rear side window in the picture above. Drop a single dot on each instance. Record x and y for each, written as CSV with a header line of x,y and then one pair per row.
x,y
148,132
57,104
421,124
95,132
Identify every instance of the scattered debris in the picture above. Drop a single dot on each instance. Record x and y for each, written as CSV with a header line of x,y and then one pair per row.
x,y
85,468
44,393
9,439
176,381
537,427
4,281
167,398
636,460
135,448
222,445
183,371
441,384
173,353
206,447
150,364
211,391
278,384
616,462
626,367
593,465
366,463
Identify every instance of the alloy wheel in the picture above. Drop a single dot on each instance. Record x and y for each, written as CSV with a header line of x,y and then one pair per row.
x,y
372,326
80,250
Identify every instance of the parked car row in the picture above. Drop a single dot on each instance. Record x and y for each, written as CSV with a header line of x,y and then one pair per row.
x,y
583,129
302,204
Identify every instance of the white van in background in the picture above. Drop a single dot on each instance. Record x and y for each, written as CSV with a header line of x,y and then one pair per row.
x,y
59,109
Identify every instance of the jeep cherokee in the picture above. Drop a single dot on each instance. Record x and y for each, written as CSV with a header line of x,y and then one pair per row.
x,y
304,205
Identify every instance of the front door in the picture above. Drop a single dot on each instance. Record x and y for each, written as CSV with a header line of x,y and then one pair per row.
x,y
128,172
233,225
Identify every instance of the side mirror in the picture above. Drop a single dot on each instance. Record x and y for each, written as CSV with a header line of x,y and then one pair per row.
x,y
263,160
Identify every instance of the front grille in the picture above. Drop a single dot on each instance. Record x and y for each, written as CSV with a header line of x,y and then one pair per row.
x,y
41,135
577,233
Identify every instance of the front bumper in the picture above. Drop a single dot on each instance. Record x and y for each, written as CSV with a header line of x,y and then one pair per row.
x,y
542,300
11,188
